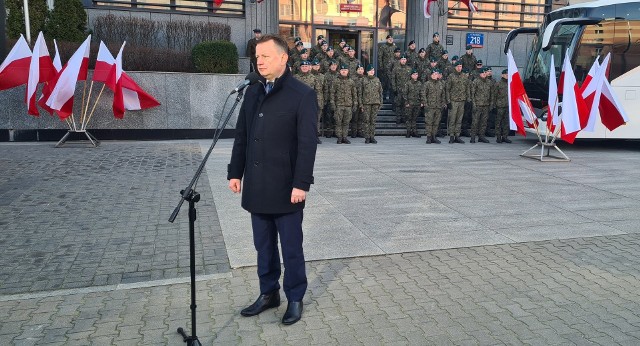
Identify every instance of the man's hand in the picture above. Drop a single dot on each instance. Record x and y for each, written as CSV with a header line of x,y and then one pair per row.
x,y
298,195
235,185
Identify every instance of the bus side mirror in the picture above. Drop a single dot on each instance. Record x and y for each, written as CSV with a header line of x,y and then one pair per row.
x,y
515,32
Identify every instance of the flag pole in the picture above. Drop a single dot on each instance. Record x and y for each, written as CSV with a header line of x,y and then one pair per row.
x,y
94,106
85,110
84,93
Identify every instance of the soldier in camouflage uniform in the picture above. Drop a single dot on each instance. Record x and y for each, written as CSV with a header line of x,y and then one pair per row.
x,y
371,100
324,63
476,72
317,48
444,65
340,49
400,76
385,60
434,102
356,120
294,53
501,102
329,80
304,56
422,64
434,49
413,101
457,92
320,89
481,98
351,61
433,65
452,68
412,55
344,99
468,60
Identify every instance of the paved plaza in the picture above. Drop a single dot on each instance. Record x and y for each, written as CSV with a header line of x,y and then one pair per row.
x,y
406,244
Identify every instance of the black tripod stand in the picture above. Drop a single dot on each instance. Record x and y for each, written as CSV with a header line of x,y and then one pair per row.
x,y
189,194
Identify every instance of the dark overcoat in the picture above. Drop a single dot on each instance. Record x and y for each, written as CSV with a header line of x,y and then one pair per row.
x,y
275,145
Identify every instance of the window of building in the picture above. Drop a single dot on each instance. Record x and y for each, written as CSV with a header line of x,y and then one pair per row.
x,y
496,15
227,8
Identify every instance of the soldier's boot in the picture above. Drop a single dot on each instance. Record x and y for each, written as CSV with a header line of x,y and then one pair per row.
x,y
408,135
360,134
506,139
428,139
367,140
473,139
373,140
451,139
498,139
434,139
483,140
339,141
458,140
345,140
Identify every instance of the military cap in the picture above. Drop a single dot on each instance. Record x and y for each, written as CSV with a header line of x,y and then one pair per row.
x,y
505,71
414,71
389,36
489,68
351,48
343,40
299,43
297,39
483,70
344,67
330,48
369,67
422,50
457,63
304,51
324,43
321,42
412,42
397,50
256,30
469,47
432,59
455,57
435,70
333,62
346,46
315,62
436,34
305,62
445,52
479,62
403,56
464,70
320,37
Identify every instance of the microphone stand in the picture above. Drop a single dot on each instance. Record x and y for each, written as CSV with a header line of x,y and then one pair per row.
x,y
190,195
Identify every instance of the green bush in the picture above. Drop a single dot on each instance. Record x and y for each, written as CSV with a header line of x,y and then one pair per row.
x,y
67,21
215,57
38,12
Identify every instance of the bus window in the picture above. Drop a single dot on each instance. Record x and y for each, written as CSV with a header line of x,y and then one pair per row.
x,y
596,41
626,45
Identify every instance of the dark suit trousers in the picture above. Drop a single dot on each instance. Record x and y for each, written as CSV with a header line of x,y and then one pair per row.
x,y
266,228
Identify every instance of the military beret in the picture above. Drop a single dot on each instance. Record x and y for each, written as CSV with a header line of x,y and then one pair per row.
x,y
369,67
320,37
343,40
321,42
297,39
389,36
464,70
299,43
333,62
414,71
483,70
457,63
469,47
351,49
479,62
360,67
256,30
505,71
435,70
305,62
445,52
422,50
324,43
330,49
436,34
397,50
432,59
412,42
455,57
346,46
403,56
304,51
344,67
489,68
315,62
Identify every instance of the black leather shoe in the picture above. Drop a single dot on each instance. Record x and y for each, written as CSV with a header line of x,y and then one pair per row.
x,y
498,139
473,139
367,141
451,139
264,302
483,140
339,141
458,140
293,314
435,140
506,140
345,140
373,141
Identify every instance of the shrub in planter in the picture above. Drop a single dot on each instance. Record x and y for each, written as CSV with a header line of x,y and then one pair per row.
x,y
67,22
215,57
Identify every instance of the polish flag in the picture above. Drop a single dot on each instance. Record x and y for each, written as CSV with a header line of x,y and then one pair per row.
x,y
114,83
48,85
104,63
612,114
134,97
41,70
61,98
590,76
552,114
14,70
218,2
574,108
592,89
472,7
427,8
516,92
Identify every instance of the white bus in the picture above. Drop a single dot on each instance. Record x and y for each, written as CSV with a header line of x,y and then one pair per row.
x,y
588,30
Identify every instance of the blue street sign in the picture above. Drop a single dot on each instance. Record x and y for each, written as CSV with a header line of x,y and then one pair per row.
x,y
476,40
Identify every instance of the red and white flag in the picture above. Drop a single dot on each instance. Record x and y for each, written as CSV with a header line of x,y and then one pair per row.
x,y
218,2
552,114
516,92
612,114
56,59
61,98
48,85
574,109
134,97
113,82
104,63
590,76
14,70
592,89
472,7
41,70
427,8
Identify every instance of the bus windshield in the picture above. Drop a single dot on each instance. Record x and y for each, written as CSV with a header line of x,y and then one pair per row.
x,y
537,71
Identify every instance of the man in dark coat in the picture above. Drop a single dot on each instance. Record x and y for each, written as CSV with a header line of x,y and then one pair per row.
x,y
251,48
274,152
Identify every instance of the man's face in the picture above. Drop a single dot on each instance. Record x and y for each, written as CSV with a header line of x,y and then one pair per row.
x,y
403,61
344,72
412,46
324,47
352,53
371,72
257,35
436,38
505,76
459,68
478,66
483,74
304,68
434,76
433,63
396,54
390,40
469,51
360,71
304,56
330,53
414,76
422,54
272,61
445,56
316,67
333,67
342,44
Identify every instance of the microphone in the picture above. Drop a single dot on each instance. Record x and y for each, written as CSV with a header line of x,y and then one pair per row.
x,y
250,79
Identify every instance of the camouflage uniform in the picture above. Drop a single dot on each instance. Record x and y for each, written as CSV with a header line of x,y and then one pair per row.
x,y
344,98
371,101
320,92
468,61
457,91
385,60
324,63
445,66
412,57
422,65
413,99
501,102
330,78
356,121
401,75
352,63
434,102
481,97
434,50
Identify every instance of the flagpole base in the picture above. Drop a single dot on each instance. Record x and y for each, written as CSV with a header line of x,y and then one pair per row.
x,y
545,153
93,140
